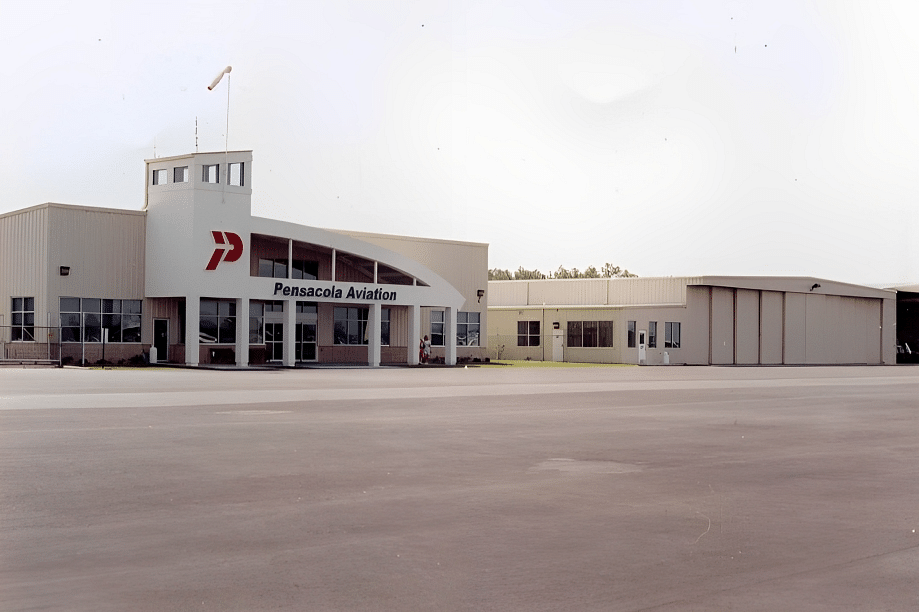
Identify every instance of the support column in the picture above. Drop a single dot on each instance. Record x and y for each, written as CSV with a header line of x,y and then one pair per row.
x,y
242,332
374,328
290,334
450,336
414,333
192,328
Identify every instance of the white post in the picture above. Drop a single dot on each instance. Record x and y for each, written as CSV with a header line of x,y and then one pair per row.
x,y
450,336
192,328
242,332
290,336
414,333
374,329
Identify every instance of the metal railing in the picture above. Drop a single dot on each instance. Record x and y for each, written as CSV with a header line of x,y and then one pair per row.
x,y
30,344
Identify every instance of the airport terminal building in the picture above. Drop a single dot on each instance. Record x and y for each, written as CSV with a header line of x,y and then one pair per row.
x,y
705,320
193,278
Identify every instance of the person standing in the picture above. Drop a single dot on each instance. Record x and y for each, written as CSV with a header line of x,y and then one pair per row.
x,y
425,350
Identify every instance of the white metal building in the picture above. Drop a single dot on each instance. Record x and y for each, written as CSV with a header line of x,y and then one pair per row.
x,y
194,278
692,320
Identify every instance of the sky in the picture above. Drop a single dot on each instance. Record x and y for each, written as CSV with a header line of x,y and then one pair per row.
x,y
669,138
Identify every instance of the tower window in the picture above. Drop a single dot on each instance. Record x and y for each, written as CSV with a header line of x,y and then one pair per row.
x,y
237,174
211,173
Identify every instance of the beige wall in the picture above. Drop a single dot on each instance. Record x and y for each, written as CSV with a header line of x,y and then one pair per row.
x,y
747,327
104,249
723,325
24,261
771,305
722,322
462,264
502,333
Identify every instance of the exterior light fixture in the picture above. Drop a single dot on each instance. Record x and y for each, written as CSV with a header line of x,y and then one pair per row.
x,y
65,270
815,286
480,293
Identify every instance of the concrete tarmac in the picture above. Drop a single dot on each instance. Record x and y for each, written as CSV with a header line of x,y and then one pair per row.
x,y
669,489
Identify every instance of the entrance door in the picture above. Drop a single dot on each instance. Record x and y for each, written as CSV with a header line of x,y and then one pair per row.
x,y
161,339
558,345
642,353
305,345
274,341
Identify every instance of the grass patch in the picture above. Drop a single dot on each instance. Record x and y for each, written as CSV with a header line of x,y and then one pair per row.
x,y
551,364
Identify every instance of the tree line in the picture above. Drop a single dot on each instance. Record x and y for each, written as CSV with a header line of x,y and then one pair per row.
x,y
606,271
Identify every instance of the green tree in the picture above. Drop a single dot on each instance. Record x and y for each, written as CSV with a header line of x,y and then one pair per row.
x,y
522,274
498,274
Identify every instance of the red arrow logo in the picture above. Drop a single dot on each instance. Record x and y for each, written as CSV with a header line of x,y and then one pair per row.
x,y
221,253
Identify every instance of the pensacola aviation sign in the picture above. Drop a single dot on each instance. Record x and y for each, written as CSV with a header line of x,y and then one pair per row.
x,y
377,295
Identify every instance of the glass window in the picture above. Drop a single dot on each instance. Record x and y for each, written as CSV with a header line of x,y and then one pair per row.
x,y
111,327
574,334
94,320
652,334
237,173
92,326
159,177
180,174
350,325
630,332
307,307
467,328
217,321
606,334
131,306
384,326
256,321
437,328
590,334
671,335
211,173
527,333
70,304
305,270
273,268
130,324
70,327
23,319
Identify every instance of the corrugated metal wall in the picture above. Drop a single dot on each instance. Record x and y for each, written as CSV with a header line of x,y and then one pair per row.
x,y
24,260
769,327
104,249
590,292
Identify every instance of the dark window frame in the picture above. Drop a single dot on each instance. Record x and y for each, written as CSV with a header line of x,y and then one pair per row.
x,y
465,328
350,325
24,329
526,336
438,328
88,318
236,171
672,333
219,317
590,334
206,174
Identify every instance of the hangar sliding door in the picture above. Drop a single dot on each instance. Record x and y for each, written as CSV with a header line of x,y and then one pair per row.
x,y
722,326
